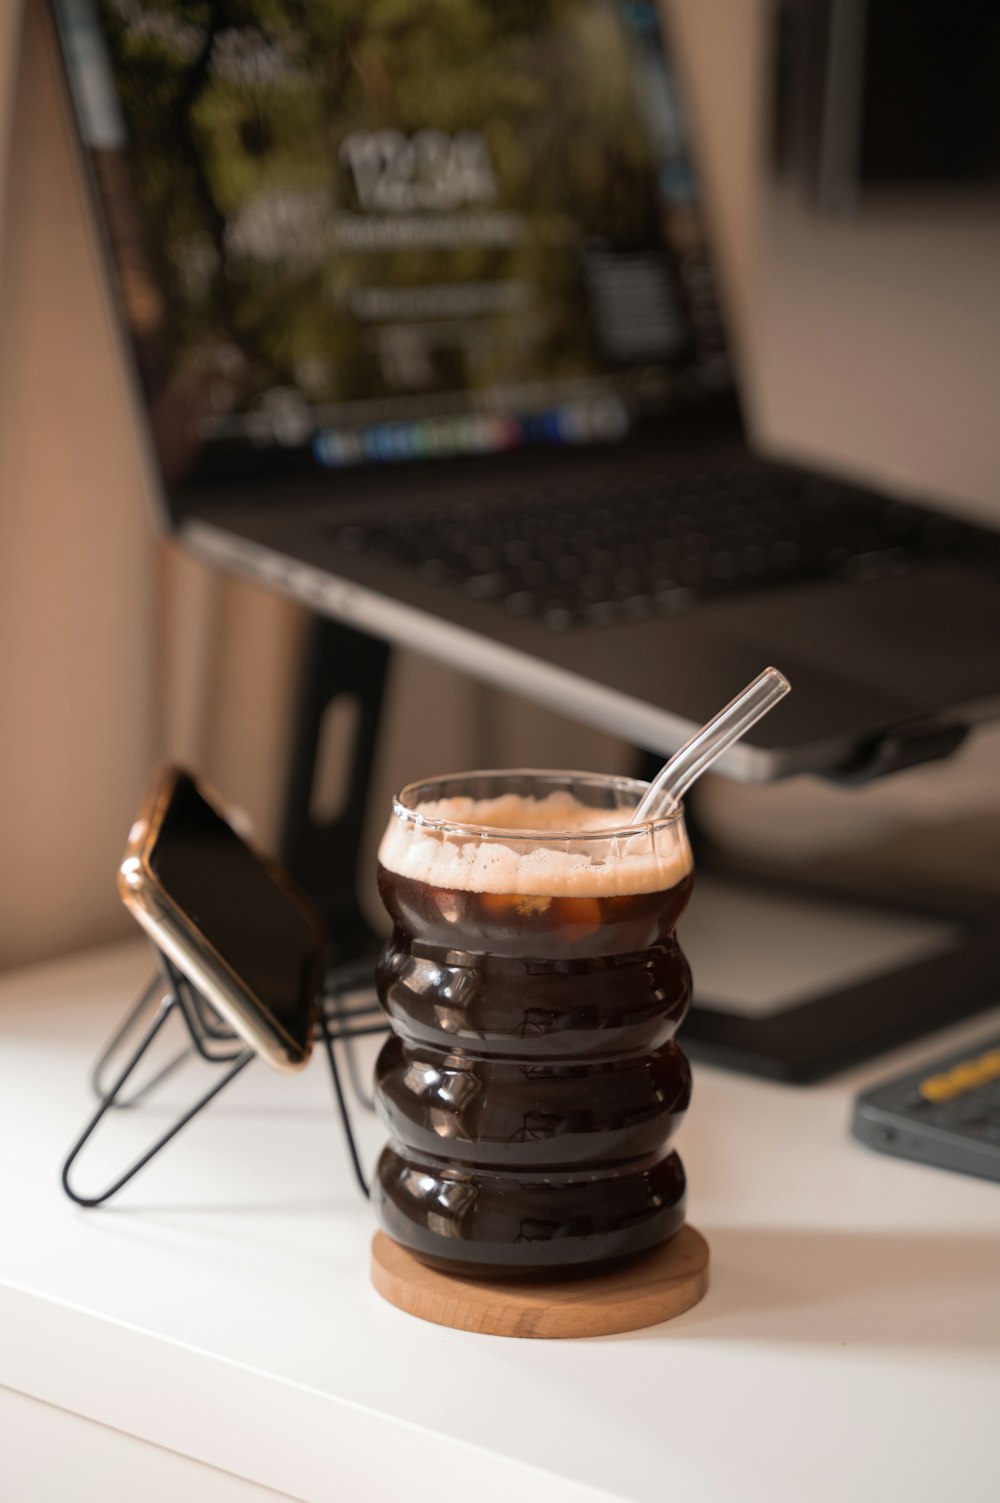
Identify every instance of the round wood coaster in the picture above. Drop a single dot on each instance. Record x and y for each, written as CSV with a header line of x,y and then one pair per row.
x,y
656,1287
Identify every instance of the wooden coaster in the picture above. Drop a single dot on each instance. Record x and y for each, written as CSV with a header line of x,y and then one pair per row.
x,y
656,1287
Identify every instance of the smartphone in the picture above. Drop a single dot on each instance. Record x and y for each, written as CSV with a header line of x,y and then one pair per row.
x,y
233,922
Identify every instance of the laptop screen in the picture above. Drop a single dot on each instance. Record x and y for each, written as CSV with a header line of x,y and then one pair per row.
x,y
360,232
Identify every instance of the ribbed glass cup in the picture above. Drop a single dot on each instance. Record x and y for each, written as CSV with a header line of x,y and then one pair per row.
x,y
534,984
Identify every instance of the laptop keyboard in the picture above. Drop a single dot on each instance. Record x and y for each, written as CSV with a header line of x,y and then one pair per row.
x,y
660,547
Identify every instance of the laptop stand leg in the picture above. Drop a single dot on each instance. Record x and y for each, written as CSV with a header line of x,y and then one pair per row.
x,y
321,848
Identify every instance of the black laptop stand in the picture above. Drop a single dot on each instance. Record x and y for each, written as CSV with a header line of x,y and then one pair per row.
x,y
804,1042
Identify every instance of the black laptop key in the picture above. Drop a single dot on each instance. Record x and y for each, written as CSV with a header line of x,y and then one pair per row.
x,y
658,546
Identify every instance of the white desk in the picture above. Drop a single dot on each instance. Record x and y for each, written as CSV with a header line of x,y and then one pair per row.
x,y
849,1347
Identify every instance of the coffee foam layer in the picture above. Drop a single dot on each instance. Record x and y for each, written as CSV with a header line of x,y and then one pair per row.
x,y
644,862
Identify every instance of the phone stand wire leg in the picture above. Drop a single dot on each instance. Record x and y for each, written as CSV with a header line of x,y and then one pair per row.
x,y
354,1075
150,997
167,1006
338,1091
341,981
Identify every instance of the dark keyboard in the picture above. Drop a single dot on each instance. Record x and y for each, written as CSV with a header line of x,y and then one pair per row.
x,y
948,1115
656,547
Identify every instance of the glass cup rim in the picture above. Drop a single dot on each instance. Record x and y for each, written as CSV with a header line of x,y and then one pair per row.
x,y
402,809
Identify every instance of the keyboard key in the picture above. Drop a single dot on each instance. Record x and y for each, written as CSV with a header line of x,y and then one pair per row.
x,y
521,603
558,618
486,586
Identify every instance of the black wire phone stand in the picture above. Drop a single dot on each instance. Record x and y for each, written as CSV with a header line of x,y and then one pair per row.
x,y
322,854
339,1022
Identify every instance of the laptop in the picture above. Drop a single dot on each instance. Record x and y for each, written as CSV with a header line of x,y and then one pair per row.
x,y
420,304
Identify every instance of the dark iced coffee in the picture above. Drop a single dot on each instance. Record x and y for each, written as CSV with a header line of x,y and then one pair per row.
x,y
534,985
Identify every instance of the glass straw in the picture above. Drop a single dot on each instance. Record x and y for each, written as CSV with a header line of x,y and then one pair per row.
x,y
697,755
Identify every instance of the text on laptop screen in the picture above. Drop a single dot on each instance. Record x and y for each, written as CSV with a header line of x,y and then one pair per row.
x,y
361,231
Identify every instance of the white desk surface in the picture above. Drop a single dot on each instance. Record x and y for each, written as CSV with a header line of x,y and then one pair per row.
x,y
849,1347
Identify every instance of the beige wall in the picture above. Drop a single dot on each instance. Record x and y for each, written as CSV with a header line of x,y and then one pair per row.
x,y
77,579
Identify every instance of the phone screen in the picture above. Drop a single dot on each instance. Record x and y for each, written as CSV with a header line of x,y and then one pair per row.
x,y
265,934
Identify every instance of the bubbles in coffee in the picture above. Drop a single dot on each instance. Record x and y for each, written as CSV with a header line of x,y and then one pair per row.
x,y
534,985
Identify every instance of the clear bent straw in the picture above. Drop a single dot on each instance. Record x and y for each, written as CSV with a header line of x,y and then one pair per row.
x,y
695,756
